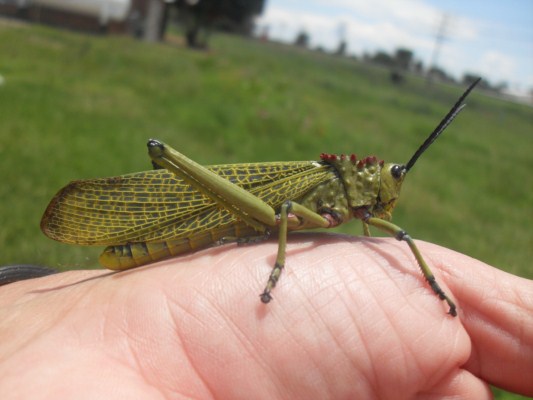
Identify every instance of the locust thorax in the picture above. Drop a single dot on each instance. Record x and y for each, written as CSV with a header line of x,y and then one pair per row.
x,y
360,177
391,179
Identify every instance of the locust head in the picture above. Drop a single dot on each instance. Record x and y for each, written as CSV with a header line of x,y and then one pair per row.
x,y
392,175
391,179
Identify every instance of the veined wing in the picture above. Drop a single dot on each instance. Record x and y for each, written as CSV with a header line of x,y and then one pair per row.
x,y
157,205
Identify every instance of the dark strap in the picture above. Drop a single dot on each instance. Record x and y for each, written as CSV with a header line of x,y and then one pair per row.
x,y
20,272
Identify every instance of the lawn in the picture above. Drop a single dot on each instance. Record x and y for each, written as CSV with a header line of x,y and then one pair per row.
x,y
75,106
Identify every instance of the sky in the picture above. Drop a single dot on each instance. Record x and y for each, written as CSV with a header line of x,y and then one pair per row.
x,y
490,38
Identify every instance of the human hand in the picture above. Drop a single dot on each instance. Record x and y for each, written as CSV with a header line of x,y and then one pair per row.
x,y
351,318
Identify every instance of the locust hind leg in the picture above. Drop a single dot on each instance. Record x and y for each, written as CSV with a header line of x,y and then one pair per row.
x,y
300,215
400,234
247,207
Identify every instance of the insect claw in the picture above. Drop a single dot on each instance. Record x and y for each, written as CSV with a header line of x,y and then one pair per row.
x,y
265,297
452,311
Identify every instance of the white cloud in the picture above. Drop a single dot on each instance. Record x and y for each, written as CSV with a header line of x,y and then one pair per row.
x,y
469,45
404,12
463,29
362,34
379,24
497,64
285,25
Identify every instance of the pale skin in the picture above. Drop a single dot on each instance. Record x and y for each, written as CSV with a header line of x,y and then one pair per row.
x,y
352,318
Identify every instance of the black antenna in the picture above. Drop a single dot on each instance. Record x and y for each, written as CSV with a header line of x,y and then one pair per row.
x,y
456,109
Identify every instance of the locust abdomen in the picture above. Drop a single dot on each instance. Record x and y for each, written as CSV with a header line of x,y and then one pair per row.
x,y
130,255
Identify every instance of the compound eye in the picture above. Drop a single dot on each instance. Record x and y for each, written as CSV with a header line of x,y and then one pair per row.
x,y
397,171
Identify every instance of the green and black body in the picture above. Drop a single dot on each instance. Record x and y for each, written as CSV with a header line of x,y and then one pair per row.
x,y
184,206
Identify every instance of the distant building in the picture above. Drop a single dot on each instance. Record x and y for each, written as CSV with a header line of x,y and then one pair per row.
x,y
96,16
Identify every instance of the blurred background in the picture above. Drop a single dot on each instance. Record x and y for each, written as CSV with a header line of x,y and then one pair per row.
x,y
84,84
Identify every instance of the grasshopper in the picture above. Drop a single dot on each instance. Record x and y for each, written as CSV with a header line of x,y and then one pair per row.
x,y
183,206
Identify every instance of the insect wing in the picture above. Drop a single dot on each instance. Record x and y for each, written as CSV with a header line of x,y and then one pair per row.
x,y
157,205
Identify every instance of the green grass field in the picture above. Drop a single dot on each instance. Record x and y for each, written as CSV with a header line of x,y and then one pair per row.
x,y
75,106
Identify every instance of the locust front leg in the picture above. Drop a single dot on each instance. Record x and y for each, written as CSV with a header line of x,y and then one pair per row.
x,y
400,234
301,215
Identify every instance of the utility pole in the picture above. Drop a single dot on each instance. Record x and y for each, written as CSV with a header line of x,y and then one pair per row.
x,y
439,39
155,19
341,31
